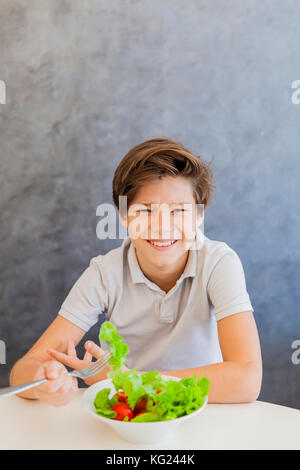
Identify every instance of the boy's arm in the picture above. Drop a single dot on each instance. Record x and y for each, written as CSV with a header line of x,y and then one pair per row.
x,y
237,379
56,336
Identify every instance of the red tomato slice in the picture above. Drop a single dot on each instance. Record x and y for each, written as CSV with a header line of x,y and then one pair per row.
x,y
122,411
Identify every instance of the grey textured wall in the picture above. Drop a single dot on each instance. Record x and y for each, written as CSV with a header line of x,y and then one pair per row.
x,y
88,80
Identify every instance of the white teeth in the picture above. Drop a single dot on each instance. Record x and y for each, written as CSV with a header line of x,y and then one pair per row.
x,y
162,243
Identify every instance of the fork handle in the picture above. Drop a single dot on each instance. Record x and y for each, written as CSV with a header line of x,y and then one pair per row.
x,y
7,391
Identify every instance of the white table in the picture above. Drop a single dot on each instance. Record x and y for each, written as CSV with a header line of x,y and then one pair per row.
x,y
28,424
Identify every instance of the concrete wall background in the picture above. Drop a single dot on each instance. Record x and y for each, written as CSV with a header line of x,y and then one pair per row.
x,y
88,80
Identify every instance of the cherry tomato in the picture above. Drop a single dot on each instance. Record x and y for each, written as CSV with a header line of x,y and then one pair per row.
x,y
122,410
121,397
140,405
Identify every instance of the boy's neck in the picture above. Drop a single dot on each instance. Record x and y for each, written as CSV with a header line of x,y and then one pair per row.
x,y
164,278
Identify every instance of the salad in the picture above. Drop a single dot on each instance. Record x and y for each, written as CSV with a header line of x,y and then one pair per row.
x,y
145,397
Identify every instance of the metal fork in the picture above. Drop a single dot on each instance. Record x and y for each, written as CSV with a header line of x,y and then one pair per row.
x,y
85,373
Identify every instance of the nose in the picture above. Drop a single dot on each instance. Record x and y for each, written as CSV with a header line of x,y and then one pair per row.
x,y
160,224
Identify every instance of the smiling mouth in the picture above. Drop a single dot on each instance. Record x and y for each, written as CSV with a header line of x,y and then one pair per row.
x,y
162,243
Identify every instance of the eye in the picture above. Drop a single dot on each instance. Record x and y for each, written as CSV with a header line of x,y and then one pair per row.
x,y
178,210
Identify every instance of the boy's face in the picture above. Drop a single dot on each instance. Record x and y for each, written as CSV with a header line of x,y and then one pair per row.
x,y
163,211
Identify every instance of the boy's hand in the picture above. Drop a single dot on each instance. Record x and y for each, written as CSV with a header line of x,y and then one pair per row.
x,y
71,360
60,388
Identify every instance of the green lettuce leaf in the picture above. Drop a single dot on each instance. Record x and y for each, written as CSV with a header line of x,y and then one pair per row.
x,y
104,405
118,348
180,398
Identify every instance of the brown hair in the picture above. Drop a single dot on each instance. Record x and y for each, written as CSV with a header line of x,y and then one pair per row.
x,y
156,158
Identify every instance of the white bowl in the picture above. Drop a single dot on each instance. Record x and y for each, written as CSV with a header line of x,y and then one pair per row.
x,y
139,433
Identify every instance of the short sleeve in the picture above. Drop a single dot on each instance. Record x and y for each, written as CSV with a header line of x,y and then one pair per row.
x,y
227,287
87,299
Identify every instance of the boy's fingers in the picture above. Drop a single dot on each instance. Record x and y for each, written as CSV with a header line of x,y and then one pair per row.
x,y
70,361
87,357
56,374
94,349
53,370
68,385
52,386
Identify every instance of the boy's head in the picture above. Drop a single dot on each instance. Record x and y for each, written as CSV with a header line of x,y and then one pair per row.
x,y
165,185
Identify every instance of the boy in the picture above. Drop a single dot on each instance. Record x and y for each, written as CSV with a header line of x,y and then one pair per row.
x,y
178,298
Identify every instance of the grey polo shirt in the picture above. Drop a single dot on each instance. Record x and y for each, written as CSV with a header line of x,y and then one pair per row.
x,y
164,331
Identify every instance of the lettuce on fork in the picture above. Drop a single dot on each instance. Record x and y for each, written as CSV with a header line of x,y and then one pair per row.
x,y
165,399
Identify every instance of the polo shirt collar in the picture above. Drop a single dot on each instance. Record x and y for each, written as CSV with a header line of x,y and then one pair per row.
x,y
137,274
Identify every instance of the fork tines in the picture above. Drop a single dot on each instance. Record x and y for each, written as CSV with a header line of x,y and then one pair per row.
x,y
99,363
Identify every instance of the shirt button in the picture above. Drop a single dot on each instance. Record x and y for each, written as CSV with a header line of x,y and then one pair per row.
x,y
166,317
